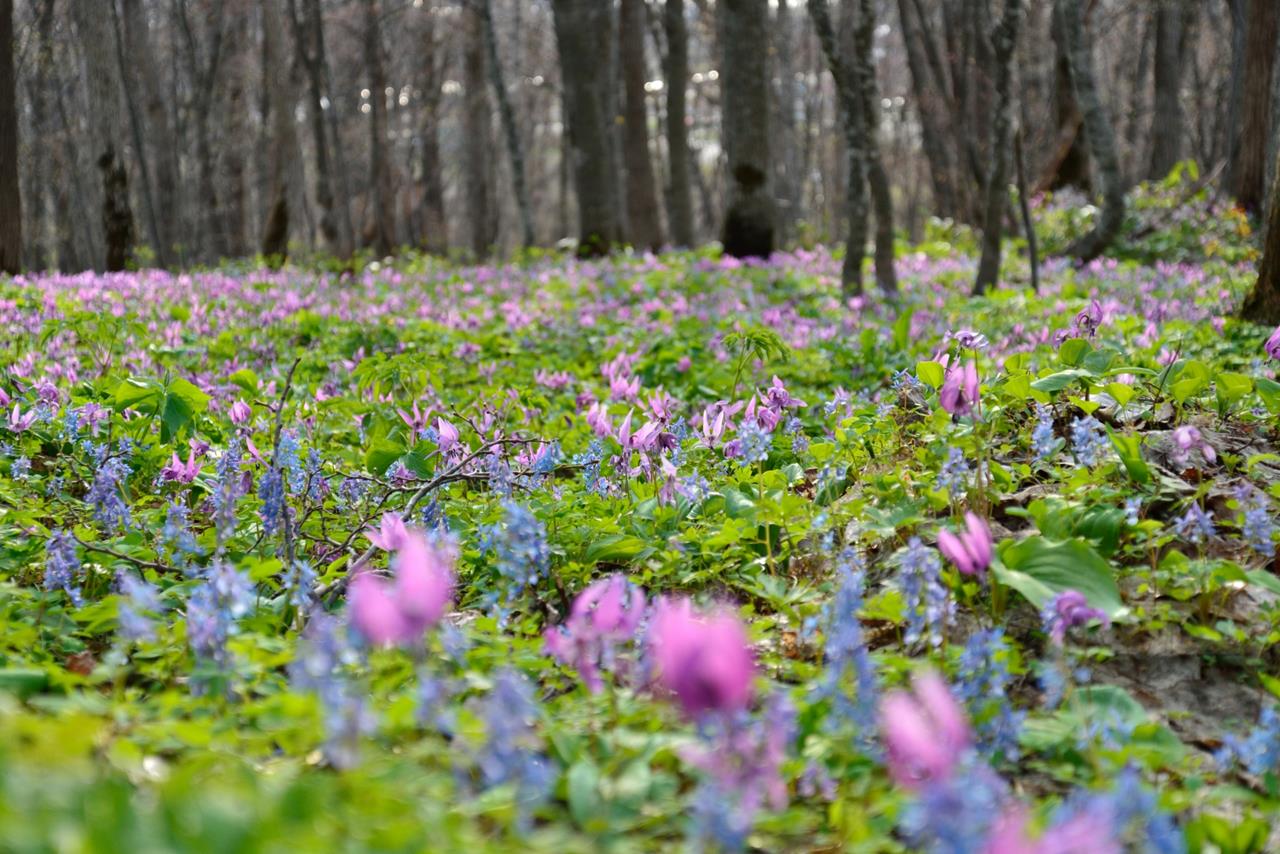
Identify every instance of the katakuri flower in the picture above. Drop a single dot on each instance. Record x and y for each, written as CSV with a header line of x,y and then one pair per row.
x,y
970,550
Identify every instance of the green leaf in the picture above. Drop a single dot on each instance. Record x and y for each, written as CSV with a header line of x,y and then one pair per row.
x,y
583,782
1060,380
621,548
246,379
141,394
1269,391
1040,569
1129,448
23,681
1072,351
930,373
1265,580
380,456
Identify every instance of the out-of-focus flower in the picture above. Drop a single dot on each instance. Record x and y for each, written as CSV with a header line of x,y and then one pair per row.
x,y
925,732
607,613
400,612
390,534
959,394
1069,609
970,550
703,660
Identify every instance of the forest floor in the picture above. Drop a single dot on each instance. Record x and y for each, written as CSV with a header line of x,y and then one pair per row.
x,y
193,466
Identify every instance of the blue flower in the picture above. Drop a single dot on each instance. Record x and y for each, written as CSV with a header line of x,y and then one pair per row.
x,y
61,566
755,442
953,477
983,683
1088,440
927,601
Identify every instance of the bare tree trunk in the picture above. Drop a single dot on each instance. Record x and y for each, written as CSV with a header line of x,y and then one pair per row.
x,y
1024,205
857,144
10,200
644,215
1004,40
1098,134
435,236
236,215
478,125
384,223
1263,303
932,111
877,176
680,195
160,139
203,72
1168,124
1069,161
585,30
139,138
95,37
1235,91
1249,168
508,116
307,26
749,222
283,142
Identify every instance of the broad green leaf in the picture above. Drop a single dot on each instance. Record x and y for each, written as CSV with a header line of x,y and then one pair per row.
x,y
931,374
1040,569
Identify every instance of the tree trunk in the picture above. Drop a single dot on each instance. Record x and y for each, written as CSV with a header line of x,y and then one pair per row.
x,y
846,75
1168,123
96,38
160,138
680,195
1248,171
203,72
515,152
744,81
283,143
307,26
384,223
644,216
139,138
877,176
584,34
932,111
435,232
1003,40
1263,303
478,126
1069,163
10,200
1099,135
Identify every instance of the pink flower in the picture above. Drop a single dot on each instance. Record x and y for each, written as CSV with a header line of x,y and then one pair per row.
x,y
20,421
1273,345
448,435
1079,833
1069,609
607,613
970,551
624,431
703,660
925,732
240,413
391,533
959,393
399,612
180,472
1187,437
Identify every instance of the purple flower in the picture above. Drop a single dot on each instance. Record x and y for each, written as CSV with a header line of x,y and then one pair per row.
x,y
607,613
925,732
401,612
704,661
970,551
1187,438
1273,345
959,394
1069,609
61,566
391,534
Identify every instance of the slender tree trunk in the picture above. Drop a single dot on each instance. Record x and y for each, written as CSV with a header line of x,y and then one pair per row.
x,y
1248,171
1168,124
877,176
1098,134
236,215
10,200
1235,92
478,125
139,138
203,72
1263,303
435,235
511,132
159,135
1004,40
644,215
1068,164
93,30
384,223
585,30
1024,205
680,194
749,221
857,144
283,143
307,26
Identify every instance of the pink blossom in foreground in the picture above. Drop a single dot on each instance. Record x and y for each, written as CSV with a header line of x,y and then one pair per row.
x,y
607,613
240,413
925,732
703,660
1273,345
399,612
970,550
